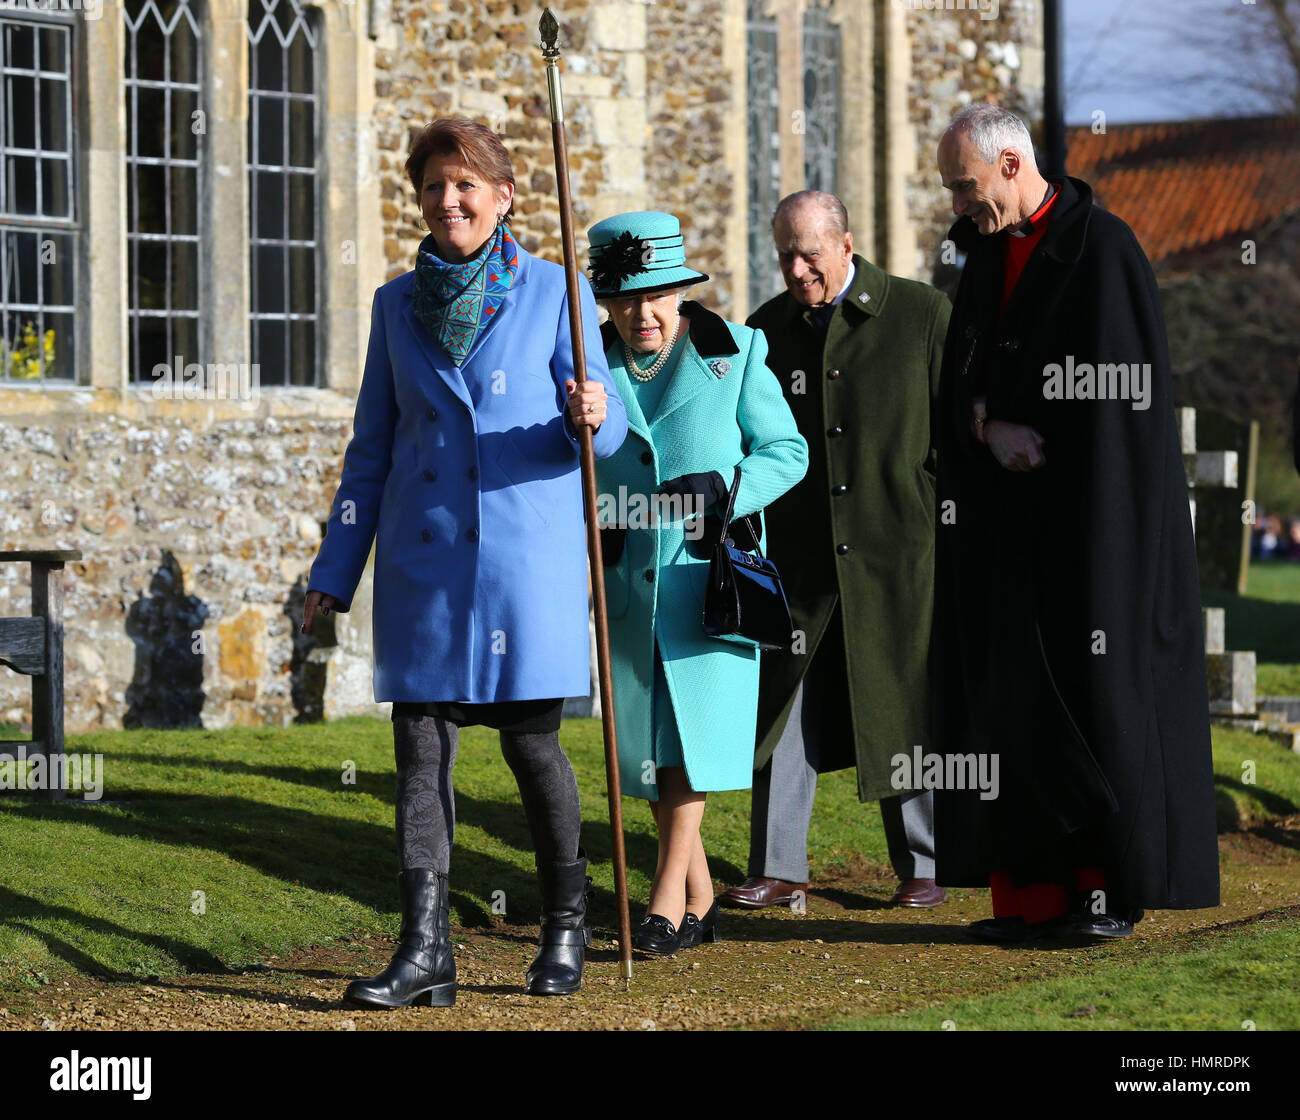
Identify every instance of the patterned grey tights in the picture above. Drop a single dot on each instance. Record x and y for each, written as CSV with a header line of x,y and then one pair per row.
x,y
425,749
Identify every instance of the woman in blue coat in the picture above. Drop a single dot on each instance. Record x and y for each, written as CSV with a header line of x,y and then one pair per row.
x,y
701,404
463,472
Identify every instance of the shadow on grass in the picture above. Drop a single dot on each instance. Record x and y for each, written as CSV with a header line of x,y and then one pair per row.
x,y
1269,627
19,911
355,859
381,786
366,853
1274,803
329,854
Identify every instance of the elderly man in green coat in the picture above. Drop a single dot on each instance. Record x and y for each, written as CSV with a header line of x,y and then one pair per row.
x,y
858,353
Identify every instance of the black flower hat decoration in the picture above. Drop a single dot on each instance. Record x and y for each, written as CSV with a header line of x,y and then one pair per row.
x,y
639,253
623,257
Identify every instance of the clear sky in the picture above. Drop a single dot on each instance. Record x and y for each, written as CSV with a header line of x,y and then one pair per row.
x,y
1152,60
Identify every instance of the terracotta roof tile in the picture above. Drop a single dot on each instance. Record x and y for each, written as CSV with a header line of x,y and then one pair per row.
x,y
1188,185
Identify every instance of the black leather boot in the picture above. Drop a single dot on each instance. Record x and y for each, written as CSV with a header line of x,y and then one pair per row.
x,y
557,968
423,970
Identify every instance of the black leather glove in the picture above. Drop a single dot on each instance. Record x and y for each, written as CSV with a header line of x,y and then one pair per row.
x,y
708,488
612,540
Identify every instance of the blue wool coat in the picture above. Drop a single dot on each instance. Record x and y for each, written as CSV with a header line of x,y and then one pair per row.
x,y
466,479
722,408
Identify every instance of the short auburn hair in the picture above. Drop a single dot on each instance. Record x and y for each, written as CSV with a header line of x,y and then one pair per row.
x,y
474,144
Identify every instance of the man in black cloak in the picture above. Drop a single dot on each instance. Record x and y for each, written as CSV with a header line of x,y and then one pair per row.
x,y
1068,637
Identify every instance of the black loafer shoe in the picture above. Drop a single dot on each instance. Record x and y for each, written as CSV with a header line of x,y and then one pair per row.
x,y
695,931
656,934
1109,924
1006,931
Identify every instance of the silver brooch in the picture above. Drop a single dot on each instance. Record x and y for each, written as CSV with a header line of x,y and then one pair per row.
x,y
864,297
720,366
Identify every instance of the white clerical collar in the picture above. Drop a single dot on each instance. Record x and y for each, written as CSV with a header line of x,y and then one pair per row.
x,y
848,283
1029,225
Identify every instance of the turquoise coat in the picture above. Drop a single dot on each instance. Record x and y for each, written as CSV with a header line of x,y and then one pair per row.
x,y
723,408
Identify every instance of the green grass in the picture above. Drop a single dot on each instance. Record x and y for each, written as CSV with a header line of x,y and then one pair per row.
x,y
1260,779
1275,580
1267,620
1214,981
288,856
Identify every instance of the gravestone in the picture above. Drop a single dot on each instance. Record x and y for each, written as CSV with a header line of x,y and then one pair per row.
x,y
1211,475
1225,499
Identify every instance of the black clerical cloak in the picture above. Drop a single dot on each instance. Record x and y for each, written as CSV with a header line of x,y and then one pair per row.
x,y
1068,633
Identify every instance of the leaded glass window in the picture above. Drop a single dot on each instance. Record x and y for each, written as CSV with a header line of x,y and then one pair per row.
x,y
821,99
283,139
38,231
165,132
763,129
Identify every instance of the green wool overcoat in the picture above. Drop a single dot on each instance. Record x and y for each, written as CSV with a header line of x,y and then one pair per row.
x,y
858,532
722,409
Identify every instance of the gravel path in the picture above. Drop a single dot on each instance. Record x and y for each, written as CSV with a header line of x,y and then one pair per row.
x,y
849,954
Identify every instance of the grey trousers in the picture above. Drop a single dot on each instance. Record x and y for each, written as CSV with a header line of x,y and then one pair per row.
x,y
782,805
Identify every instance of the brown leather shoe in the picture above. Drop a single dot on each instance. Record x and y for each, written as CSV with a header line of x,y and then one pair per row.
x,y
756,892
919,893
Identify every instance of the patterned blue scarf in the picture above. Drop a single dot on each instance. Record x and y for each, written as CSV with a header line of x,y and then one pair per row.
x,y
456,301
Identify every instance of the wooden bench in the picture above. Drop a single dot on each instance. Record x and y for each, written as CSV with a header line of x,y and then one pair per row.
x,y
34,647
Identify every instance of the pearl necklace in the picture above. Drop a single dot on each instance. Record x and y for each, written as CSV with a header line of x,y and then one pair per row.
x,y
651,371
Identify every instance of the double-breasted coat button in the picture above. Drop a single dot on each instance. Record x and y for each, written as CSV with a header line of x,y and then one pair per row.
x,y
472,534
647,458
429,475
842,549
426,535
835,432
472,473
840,489
432,413
833,374
649,575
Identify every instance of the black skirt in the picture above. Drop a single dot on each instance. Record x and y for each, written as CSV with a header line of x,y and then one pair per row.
x,y
521,717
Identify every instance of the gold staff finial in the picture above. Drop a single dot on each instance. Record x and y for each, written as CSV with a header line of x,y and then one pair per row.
x,y
550,29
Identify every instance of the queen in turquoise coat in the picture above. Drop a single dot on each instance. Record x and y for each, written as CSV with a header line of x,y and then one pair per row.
x,y
685,704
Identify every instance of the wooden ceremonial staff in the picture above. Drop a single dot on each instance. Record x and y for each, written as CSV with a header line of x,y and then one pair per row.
x,y
550,31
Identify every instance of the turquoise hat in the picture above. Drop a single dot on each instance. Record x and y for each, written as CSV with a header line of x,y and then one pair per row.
x,y
638,252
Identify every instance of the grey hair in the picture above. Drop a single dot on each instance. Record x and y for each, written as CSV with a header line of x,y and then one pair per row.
x,y
835,211
993,130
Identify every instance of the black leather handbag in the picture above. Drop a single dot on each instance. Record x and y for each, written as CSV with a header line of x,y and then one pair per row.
x,y
745,601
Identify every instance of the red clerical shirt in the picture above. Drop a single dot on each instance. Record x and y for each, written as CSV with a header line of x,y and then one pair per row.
x,y
1020,247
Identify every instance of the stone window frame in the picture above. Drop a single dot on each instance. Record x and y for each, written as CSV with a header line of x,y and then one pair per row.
x,y
172,90
43,228
352,266
875,145
291,170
